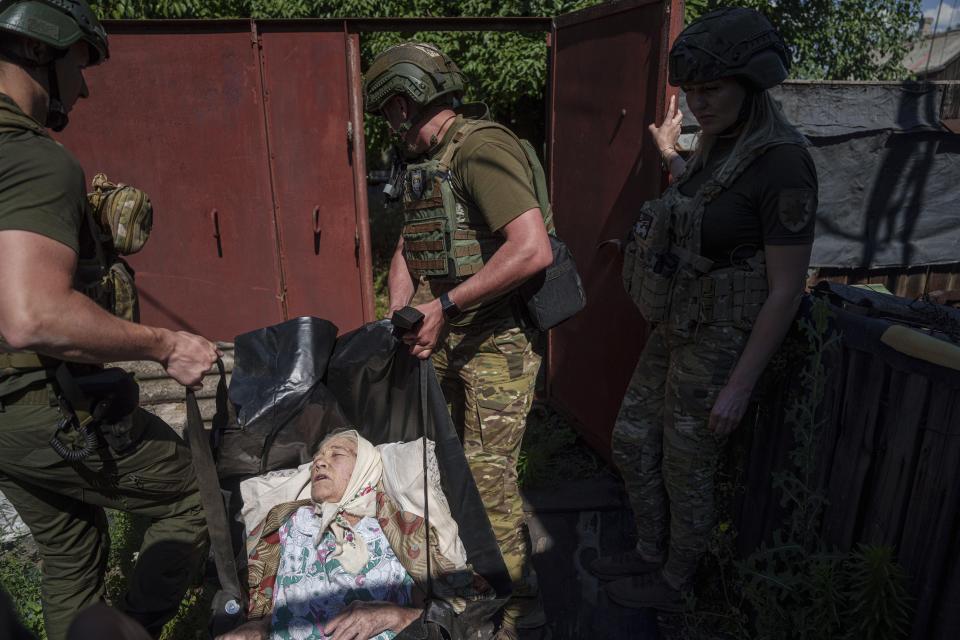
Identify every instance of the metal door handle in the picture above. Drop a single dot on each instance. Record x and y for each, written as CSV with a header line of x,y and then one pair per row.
x,y
215,220
317,231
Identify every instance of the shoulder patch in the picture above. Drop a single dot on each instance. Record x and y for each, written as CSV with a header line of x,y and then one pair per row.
x,y
796,207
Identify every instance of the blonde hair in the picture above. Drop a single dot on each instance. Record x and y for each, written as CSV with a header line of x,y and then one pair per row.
x,y
765,121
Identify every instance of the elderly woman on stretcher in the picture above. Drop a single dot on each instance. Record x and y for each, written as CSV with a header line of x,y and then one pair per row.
x,y
336,548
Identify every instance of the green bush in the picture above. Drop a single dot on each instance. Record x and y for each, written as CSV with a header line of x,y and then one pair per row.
x,y
20,578
795,588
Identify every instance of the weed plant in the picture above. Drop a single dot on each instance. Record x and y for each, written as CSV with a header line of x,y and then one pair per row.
x,y
795,587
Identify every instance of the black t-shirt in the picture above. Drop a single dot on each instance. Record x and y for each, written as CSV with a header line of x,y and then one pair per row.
x,y
773,202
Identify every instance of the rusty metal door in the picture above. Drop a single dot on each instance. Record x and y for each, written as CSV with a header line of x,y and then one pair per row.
x,y
231,156
608,80
315,126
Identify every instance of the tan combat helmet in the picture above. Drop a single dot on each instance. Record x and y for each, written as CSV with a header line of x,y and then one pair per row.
x,y
419,71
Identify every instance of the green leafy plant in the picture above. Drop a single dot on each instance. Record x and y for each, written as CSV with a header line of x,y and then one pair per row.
x,y
794,587
20,578
838,39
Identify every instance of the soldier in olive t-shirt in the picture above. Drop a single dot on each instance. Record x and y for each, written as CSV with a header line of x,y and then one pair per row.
x,y
474,229
41,190
53,332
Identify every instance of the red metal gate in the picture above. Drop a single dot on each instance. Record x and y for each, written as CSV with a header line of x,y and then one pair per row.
x,y
608,81
240,135
249,138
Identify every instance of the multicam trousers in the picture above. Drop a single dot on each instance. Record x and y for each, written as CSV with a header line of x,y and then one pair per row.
x,y
63,505
663,448
488,376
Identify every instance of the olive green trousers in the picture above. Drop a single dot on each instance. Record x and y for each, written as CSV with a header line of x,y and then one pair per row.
x,y
63,505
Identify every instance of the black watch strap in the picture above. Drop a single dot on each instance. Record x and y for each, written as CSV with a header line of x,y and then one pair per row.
x,y
450,309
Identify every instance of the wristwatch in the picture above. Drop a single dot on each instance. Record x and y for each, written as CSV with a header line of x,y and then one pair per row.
x,y
450,309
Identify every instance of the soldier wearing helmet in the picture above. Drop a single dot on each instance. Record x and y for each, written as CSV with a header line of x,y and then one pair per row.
x,y
717,266
475,227
65,453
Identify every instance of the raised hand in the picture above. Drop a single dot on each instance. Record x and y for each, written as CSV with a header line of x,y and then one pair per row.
x,y
668,133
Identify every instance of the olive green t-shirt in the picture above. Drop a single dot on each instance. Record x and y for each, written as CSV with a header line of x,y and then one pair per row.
x,y
491,175
41,183
41,190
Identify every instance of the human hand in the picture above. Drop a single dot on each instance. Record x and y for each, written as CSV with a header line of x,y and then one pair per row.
x,y
189,357
729,409
253,630
364,620
423,339
667,134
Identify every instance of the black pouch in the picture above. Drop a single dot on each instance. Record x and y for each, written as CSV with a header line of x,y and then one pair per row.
x,y
555,294
115,395
109,397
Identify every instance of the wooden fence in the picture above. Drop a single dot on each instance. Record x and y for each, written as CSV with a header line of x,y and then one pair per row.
x,y
888,462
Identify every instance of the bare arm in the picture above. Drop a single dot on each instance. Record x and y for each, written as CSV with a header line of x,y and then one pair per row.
x,y
525,251
40,311
786,274
400,286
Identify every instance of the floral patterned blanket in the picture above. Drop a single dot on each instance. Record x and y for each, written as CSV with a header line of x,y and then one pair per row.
x,y
406,535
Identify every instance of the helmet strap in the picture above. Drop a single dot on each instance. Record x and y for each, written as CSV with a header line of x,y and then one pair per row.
x,y
57,118
434,139
400,133
56,113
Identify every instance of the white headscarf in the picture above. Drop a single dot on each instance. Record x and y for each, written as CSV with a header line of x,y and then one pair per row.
x,y
359,499
402,473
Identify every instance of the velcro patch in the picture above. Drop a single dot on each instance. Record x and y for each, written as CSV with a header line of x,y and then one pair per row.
x,y
796,207
643,225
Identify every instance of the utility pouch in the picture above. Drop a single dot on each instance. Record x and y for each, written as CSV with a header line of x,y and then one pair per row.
x,y
123,212
649,267
733,296
556,293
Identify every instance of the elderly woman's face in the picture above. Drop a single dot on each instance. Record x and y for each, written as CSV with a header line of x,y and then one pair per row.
x,y
715,105
332,467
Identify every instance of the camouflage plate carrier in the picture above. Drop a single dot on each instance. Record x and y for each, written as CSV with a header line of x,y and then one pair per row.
x,y
663,271
440,242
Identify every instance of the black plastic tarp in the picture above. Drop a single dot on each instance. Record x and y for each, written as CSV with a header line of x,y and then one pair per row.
x,y
888,170
295,382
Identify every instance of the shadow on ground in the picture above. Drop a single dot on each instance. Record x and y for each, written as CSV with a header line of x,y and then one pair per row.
x,y
570,524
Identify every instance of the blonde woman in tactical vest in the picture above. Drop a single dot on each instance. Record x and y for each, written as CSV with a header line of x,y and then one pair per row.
x,y
717,266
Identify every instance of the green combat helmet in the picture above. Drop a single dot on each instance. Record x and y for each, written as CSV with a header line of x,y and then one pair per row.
x,y
733,42
59,24
419,71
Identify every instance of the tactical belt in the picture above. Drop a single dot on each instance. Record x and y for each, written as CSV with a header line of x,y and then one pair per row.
x,y
37,395
20,361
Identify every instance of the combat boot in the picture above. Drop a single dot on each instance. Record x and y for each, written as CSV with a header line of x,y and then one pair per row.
x,y
648,591
620,565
